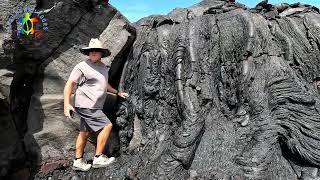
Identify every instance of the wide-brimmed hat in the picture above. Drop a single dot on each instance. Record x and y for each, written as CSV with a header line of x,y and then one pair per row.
x,y
95,44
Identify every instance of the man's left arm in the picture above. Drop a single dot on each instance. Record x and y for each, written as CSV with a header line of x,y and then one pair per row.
x,y
112,90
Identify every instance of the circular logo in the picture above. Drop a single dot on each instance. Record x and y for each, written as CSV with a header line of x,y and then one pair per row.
x,y
25,23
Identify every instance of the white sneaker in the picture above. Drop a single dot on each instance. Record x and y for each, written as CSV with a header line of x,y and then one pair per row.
x,y
80,165
102,161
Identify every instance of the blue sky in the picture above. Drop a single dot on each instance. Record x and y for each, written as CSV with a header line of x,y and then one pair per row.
x,y
137,9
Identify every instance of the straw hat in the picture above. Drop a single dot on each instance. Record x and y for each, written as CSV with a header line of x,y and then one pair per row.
x,y
97,45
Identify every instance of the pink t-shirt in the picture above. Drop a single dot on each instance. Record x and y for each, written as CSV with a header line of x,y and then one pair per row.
x,y
92,80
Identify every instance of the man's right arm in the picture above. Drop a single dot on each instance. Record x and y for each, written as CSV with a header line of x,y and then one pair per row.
x,y
67,96
73,79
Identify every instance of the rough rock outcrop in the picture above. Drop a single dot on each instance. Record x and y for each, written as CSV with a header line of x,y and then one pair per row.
x,y
220,91
35,68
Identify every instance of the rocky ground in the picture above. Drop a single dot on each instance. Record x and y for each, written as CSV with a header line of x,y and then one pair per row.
x,y
217,91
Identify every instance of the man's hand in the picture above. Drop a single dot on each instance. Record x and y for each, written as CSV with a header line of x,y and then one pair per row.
x,y
67,110
66,95
123,95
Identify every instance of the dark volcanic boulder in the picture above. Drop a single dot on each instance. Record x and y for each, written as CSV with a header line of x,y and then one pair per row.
x,y
219,91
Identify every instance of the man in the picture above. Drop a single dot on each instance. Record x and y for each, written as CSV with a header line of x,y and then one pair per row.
x,y
91,78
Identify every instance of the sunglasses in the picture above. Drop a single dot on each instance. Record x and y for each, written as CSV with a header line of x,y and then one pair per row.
x,y
95,50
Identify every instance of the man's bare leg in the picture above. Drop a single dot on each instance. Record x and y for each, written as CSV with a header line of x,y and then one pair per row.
x,y
81,143
102,139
